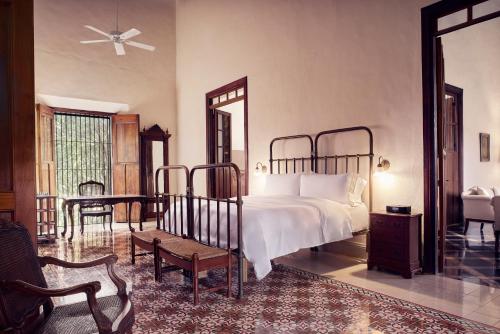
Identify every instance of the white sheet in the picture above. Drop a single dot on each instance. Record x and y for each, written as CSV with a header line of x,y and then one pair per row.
x,y
274,226
360,216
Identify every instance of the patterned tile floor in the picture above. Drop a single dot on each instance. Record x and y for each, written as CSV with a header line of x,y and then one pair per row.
x,y
287,301
471,257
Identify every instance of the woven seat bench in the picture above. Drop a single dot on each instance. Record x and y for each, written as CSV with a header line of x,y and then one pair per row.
x,y
145,240
195,257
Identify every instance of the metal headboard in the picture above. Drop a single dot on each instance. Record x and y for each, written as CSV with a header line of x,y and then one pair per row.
x,y
346,157
294,160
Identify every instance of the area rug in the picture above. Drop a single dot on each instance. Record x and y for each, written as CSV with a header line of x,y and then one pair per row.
x,y
288,300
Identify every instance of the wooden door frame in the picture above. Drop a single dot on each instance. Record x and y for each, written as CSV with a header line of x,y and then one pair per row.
x,y
429,33
210,149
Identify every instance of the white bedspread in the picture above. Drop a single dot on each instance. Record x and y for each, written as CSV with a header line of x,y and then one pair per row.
x,y
274,226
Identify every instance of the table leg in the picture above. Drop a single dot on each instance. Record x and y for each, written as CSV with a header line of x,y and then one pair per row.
x,y
129,218
72,222
65,219
141,215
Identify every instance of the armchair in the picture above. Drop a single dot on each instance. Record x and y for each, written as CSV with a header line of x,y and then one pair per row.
x,y
477,208
23,290
495,202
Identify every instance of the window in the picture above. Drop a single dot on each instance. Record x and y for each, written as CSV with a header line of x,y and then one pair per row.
x,y
83,152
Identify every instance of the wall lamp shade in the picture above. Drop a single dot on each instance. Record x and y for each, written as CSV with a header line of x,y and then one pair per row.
x,y
260,169
383,165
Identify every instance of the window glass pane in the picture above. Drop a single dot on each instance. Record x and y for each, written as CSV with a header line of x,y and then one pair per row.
x,y
240,92
452,19
232,94
222,98
485,8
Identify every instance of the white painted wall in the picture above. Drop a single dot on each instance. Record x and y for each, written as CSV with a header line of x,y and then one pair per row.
x,y
472,62
311,66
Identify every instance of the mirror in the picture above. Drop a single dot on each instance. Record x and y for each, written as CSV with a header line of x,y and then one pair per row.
x,y
154,153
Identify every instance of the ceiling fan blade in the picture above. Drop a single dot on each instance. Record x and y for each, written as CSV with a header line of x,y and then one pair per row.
x,y
140,45
120,50
129,34
98,31
96,41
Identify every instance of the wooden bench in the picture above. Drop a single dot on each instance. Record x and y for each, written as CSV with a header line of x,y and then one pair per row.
x,y
145,240
195,257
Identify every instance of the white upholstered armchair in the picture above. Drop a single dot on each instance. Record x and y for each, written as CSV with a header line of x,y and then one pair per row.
x,y
477,207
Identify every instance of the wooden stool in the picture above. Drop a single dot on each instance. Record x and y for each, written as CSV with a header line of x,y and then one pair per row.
x,y
195,257
145,240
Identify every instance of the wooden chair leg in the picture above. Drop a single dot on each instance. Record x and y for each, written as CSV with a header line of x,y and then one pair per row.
x,y
466,226
132,250
82,222
195,279
482,225
229,269
111,222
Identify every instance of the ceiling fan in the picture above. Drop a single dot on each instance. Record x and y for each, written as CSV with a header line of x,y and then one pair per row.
x,y
119,38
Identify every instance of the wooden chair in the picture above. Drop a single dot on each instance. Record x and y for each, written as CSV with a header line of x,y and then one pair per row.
x,y
93,188
23,290
195,257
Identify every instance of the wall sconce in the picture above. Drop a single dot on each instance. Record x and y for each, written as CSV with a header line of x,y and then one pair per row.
x,y
260,169
383,165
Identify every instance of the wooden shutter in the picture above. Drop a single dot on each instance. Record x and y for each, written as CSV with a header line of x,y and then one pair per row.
x,y
126,174
46,167
17,119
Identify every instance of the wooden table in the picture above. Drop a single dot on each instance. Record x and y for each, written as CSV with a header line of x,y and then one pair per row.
x,y
69,202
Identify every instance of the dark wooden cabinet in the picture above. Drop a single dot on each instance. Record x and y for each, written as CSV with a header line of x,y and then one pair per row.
x,y
394,243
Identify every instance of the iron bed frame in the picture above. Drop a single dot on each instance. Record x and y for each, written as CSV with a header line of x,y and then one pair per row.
x,y
315,158
167,220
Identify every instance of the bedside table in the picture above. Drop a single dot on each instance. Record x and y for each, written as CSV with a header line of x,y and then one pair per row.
x,y
394,242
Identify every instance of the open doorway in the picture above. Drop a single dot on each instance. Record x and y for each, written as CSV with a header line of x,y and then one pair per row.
x,y
452,159
227,137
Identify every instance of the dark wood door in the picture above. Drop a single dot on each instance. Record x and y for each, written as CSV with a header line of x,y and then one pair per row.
x,y
17,114
223,179
452,155
441,107
126,178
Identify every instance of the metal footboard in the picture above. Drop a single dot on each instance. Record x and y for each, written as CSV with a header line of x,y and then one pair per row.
x,y
220,205
179,211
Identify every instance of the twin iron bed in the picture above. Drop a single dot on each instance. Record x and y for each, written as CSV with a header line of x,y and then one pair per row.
x,y
310,199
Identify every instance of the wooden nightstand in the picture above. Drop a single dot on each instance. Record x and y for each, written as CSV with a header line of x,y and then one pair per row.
x,y
394,242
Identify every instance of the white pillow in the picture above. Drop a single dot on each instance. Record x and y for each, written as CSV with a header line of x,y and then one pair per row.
x,y
332,187
356,190
496,191
282,184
